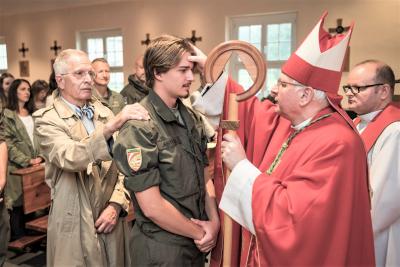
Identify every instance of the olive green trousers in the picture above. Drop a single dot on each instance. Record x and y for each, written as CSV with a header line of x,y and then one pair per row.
x,y
145,251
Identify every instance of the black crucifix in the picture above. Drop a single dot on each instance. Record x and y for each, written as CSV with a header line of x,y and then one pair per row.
x,y
193,39
23,49
55,48
339,28
147,41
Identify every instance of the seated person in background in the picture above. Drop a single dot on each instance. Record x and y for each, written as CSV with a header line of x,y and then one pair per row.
x,y
100,89
136,89
40,88
5,81
23,149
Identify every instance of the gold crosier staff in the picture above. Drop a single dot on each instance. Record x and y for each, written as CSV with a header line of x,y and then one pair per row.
x,y
255,64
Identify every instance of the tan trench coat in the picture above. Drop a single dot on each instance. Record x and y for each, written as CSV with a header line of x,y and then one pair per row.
x,y
80,192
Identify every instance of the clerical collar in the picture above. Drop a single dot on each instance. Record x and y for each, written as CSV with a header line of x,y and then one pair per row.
x,y
367,118
298,126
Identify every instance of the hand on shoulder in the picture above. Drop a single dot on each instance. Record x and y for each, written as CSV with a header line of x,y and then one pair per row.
x,y
129,112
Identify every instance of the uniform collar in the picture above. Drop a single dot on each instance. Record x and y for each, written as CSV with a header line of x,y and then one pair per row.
x,y
165,113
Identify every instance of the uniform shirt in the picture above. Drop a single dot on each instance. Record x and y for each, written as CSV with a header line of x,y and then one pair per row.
x,y
114,100
166,153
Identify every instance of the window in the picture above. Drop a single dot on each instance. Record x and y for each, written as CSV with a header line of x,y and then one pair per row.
x,y
274,35
3,55
106,44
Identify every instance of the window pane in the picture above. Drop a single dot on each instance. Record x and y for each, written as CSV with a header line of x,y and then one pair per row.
x,y
119,59
284,51
272,33
272,51
244,33
118,43
255,34
99,45
111,59
245,79
285,32
110,44
272,78
116,81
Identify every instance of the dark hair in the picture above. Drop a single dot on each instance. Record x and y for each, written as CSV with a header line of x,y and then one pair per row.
x,y
38,86
52,83
164,53
384,74
13,98
3,97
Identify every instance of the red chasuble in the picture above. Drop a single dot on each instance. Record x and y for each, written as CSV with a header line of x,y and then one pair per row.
x,y
390,114
313,210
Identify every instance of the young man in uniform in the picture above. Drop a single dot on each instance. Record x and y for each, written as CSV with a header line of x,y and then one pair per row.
x,y
165,164
370,92
100,88
136,89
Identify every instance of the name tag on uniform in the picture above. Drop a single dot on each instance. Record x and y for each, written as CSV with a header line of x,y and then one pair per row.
x,y
168,143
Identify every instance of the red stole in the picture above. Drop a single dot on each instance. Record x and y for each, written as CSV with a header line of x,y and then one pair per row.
x,y
390,114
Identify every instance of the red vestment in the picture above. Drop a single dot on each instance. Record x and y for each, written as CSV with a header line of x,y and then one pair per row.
x,y
389,114
313,210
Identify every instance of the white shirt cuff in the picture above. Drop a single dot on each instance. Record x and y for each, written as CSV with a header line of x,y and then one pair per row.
x,y
210,104
237,195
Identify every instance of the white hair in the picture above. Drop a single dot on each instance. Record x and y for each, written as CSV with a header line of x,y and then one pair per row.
x,y
319,95
61,64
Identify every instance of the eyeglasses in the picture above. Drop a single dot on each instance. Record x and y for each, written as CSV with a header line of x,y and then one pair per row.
x,y
80,75
356,89
279,83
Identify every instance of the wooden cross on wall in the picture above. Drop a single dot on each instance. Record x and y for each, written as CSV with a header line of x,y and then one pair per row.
x,y
147,41
55,48
339,28
23,49
193,39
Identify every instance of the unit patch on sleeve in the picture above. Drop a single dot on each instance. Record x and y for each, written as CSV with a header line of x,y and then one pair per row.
x,y
134,157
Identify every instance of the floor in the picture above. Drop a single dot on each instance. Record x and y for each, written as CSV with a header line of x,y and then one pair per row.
x,y
36,257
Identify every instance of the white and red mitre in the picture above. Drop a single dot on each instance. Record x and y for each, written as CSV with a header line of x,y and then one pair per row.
x,y
318,62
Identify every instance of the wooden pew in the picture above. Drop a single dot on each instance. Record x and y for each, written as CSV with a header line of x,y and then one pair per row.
x,y
36,195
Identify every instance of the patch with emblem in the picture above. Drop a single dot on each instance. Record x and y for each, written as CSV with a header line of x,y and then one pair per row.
x,y
134,157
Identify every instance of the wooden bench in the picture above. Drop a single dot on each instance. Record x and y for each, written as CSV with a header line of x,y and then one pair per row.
x,y
36,195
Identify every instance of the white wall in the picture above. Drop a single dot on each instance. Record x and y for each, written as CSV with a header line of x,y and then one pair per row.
x,y
376,27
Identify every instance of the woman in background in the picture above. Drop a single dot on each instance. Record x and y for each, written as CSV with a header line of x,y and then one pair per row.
x,y
5,81
40,89
23,149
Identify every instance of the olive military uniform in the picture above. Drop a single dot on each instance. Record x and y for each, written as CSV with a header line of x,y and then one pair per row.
x,y
134,91
4,223
114,100
164,152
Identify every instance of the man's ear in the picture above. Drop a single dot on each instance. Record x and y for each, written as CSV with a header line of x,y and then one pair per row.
x,y
306,96
385,92
158,76
60,81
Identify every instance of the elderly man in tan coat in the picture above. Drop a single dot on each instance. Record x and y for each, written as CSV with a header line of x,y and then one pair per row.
x,y
89,201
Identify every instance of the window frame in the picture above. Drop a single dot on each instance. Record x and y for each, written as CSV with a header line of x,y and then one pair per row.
x,y
3,42
260,19
83,37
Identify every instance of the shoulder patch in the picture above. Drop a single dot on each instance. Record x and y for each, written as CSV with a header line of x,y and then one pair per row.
x,y
134,156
